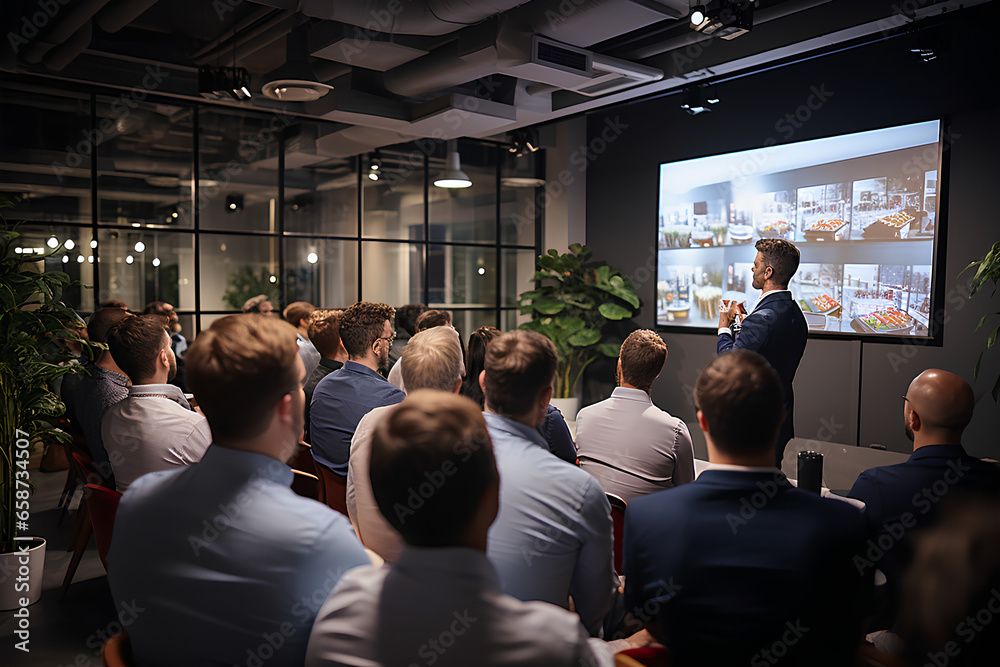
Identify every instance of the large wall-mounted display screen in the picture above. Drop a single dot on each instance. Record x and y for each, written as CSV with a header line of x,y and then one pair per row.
x,y
861,208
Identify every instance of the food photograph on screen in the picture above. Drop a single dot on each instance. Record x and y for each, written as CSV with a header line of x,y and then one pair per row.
x,y
861,208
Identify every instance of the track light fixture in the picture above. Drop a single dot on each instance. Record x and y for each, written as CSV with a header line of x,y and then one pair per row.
x,y
224,83
523,142
727,19
375,167
698,100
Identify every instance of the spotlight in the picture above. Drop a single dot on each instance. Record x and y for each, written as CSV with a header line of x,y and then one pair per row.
x,y
312,258
90,259
273,279
129,259
93,244
234,203
727,19
53,242
156,261
139,246
223,83
65,259
79,259
70,244
524,142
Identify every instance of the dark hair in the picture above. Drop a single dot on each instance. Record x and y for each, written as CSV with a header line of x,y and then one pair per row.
x,y
297,311
741,397
433,318
406,317
112,303
239,369
325,335
431,462
135,343
642,355
154,307
782,256
475,360
252,305
101,322
362,325
519,364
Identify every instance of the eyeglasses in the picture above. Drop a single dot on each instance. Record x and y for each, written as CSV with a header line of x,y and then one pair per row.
x,y
391,338
905,399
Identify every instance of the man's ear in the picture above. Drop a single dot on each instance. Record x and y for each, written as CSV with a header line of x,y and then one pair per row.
x,y
482,381
545,396
702,422
914,421
283,410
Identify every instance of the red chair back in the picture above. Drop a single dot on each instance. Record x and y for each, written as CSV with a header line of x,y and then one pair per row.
x,y
335,487
618,506
102,503
306,484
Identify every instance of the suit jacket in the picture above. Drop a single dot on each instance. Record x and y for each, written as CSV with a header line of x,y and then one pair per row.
x,y
776,329
735,561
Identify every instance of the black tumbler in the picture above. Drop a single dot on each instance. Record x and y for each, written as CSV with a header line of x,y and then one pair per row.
x,y
810,471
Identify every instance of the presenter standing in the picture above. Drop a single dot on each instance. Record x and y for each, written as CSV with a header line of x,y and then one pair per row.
x,y
776,329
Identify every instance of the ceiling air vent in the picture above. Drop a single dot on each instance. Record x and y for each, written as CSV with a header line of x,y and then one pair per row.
x,y
562,56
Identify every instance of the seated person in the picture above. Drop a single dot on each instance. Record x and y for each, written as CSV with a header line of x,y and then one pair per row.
x,y
299,315
223,557
324,334
154,427
428,319
433,361
406,328
739,564
442,580
629,445
553,537
342,398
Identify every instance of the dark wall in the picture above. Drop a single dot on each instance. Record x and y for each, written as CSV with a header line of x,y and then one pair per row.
x,y
864,88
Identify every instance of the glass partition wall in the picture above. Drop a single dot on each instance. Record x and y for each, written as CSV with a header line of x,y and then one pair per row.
x,y
206,206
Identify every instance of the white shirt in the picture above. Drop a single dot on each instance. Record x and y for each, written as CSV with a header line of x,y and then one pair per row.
x,y
374,531
395,376
632,447
443,607
153,428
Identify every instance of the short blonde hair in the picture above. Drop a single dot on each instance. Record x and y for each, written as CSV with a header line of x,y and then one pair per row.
x,y
433,360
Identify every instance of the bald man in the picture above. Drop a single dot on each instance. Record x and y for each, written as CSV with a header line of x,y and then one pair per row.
x,y
936,409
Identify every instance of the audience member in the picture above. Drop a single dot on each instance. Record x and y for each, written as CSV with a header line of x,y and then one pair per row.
x,y
178,343
428,319
937,407
341,399
433,361
260,304
223,558
442,580
299,315
629,445
553,537
105,385
738,564
112,303
406,327
154,428
324,333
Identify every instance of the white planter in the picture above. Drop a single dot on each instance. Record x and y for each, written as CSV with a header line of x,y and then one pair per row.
x,y
21,573
568,407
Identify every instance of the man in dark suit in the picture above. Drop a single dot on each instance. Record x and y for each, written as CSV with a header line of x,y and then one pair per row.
x,y
776,328
739,566
936,409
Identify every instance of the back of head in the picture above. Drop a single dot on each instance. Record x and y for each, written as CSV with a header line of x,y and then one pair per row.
x,y
433,318
325,334
519,364
102,321
475,359
433,360
431,463
253,304
782,256
135,344
362,325
154,307
112,303
406,317
741,397
943,400
297,311
239,369
642,355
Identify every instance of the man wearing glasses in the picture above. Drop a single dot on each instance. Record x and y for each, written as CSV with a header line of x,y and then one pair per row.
x,y
343,397
776,329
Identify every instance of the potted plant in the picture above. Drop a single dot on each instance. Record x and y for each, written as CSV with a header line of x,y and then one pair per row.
x,y
32,319
575,297
987,270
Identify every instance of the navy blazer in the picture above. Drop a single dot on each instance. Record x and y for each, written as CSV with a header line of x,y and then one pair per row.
x,y
735,561
777,330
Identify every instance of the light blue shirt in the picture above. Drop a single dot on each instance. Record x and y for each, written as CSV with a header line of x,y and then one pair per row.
x,y
553,536
220,558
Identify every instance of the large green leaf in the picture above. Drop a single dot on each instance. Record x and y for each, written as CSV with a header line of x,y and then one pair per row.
x,y
585,337
548,306
613,311
611,350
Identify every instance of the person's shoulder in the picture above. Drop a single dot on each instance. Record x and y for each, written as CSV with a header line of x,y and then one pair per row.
x,y
554,630
150,488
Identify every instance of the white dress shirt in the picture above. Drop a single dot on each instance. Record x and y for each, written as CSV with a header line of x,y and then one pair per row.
x,y
632,447
443,607
374,531
154,428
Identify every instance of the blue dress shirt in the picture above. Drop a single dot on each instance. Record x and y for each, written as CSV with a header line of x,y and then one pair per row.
x,y
221,563
553,535
339,402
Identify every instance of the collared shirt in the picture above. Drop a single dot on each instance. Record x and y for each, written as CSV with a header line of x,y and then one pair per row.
x,y
727,330
374,531
553,536
339,402
310,355
92,396
632,447
443,607
222,558
154,428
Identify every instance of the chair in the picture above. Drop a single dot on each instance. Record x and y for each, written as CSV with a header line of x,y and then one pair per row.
x,y
84,469
102,504
306,484
302,459
335,488
618,506
646,656
117,651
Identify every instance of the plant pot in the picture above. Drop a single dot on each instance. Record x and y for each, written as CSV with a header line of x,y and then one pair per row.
x,y
568,407
21,573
